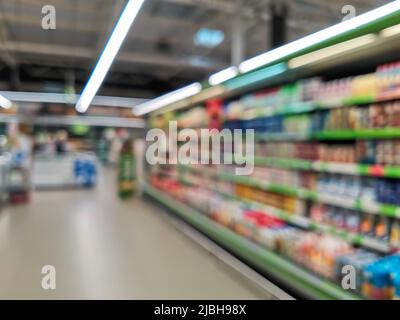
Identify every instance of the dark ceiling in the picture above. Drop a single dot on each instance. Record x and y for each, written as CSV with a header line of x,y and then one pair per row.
x,y
159,53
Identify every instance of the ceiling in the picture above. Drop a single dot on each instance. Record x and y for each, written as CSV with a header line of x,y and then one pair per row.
x,y
159,53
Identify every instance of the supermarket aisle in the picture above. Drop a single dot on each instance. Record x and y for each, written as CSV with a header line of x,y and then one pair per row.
x,y
104,248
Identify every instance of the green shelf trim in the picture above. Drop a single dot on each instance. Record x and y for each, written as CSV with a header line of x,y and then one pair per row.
x,y
389,210
391,171
382,133
363,169
358,239
359,100
271,187
283,163
268,261
359,168
279,136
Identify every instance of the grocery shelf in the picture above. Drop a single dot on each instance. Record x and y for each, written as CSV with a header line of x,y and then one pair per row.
x,y
282,136
356,204
377,133
382,171
271,187
373,170
331,103
372,207
304,222
267,261
289,163
96,121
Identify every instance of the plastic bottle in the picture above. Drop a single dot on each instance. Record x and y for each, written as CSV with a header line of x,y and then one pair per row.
x,y
126,174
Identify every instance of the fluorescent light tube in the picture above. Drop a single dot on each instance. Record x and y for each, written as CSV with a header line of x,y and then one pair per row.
x,y
167,99
223,75
45,97
318,37
107,56
5,103
391,31
331,51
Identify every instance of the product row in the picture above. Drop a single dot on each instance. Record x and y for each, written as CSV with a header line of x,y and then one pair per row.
x,y
374,226
369,190
342,216
376,277
302,96
374,116
382,152
378,86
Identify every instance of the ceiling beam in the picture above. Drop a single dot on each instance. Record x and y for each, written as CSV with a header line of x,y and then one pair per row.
x,y
82,6
32,21
6,56
45,97
75,52
221,5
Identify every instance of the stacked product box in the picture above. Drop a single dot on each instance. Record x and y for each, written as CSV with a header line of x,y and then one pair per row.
x,y
358,260
287,203
367,189
381,115
341,218
319,252
380,278
282,177
383,152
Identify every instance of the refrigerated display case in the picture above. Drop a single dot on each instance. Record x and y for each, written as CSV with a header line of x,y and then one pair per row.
x,y
68,171
325,186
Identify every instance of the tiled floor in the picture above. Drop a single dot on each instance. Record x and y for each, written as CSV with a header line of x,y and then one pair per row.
x,y
103,248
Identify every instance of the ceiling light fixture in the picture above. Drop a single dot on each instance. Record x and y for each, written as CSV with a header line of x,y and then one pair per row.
x,y
5,103
107,56
331,51
223,75
46,97
167,99
255,77
209,38
319,37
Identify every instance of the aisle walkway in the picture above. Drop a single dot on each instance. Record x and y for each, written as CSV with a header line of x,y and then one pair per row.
x,y
103,248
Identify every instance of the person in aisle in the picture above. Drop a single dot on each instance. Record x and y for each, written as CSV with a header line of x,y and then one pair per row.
x,y
61,146
115,147
21,144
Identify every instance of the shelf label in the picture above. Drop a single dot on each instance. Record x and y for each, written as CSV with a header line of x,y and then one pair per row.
x,y
377,170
